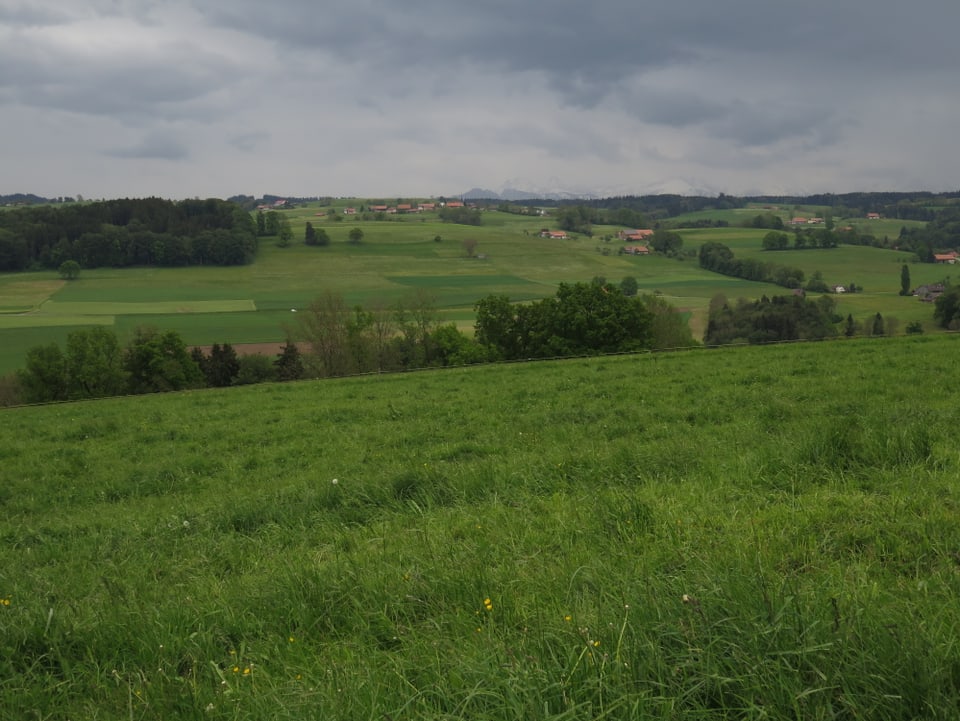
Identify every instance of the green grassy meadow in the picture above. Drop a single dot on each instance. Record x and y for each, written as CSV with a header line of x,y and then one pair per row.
x,y
750,533
251,304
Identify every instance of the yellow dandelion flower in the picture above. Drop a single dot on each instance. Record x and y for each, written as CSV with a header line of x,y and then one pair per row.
x,y
488,604
291,639
568,618
479,630
5,602
246,671
236,669
596,643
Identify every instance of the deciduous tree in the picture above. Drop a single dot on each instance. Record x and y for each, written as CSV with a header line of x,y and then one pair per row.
x,y
69,270
94,363
44,377
158,361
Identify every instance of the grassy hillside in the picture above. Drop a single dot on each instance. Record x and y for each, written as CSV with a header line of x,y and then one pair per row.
x,y
252,303
766,532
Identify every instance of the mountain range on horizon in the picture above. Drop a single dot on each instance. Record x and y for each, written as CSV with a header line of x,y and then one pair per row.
x,y
520,191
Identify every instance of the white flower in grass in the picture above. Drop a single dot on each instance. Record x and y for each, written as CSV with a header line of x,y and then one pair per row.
x,y
334,481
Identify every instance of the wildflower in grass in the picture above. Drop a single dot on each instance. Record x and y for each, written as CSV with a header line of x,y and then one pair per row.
x,y
488,604
246,671
236,669
291,639
5,602
568,618
334,481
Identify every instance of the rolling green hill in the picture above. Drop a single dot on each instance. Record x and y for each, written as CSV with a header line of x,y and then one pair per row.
x,y
251,304
758,532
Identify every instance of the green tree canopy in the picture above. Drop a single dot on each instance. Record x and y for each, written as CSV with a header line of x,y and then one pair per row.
x,y
582,319
94,363
69,270
44,377
158,361
947,309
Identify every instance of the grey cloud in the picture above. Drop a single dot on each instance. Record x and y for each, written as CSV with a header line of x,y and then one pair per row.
x,y
155,85
752,125
156,145
585,49
248,142
24,15
673,108
583,90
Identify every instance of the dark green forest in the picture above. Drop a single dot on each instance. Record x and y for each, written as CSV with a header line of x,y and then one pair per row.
x,y
119,233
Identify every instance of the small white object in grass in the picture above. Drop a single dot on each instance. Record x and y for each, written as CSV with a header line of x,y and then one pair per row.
x,y
293,310
334,481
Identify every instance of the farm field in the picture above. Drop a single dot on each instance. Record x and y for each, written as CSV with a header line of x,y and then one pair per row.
x,y
252,304
751,532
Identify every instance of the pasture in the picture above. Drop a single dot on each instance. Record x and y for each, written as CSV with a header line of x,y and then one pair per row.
x,y
755,533
251,304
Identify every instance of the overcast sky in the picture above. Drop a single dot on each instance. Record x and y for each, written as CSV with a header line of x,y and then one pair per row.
x,y
379,98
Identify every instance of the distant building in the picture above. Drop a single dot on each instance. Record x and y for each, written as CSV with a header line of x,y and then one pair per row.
x,y
637,234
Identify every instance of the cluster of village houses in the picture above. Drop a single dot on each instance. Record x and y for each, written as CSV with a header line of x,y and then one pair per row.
x,y
407,207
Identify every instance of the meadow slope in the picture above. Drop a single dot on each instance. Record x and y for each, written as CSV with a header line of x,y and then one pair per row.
x,y
758,532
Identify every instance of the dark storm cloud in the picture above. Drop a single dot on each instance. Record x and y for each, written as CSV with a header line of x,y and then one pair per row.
x,y
585,49
417,93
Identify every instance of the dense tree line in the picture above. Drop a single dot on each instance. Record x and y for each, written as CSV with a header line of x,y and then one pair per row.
x,y
581,218
338,339
118,233
581,319
462,216
900,205
803,239
940,234
718,258
768,320
93,364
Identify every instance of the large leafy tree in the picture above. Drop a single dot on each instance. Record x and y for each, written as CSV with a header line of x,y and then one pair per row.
x,y
44,377
69,270
582,319
90,367
947,309
159,361
94,363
